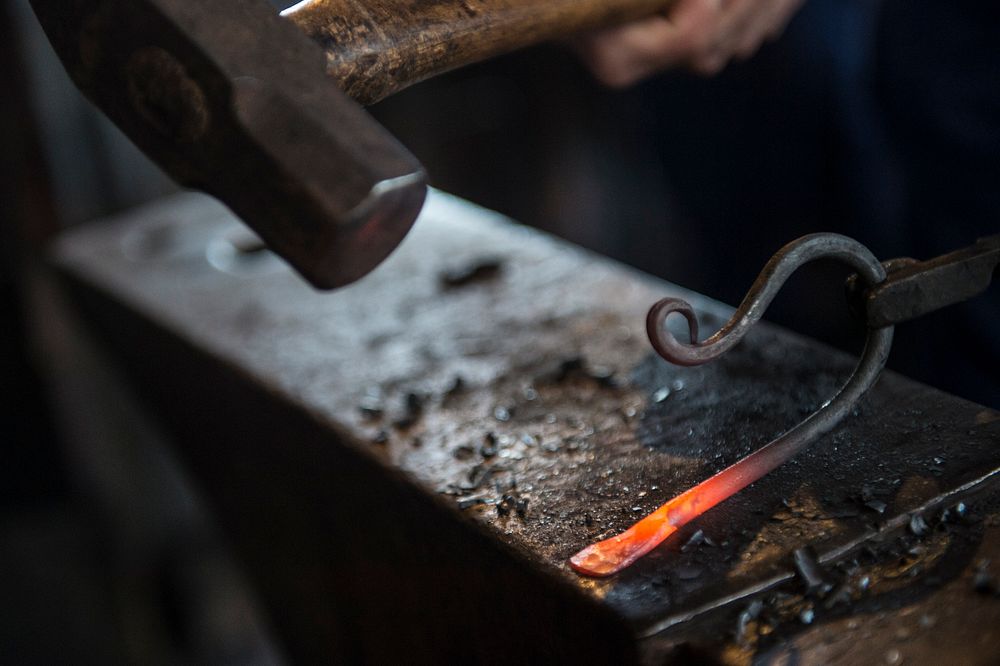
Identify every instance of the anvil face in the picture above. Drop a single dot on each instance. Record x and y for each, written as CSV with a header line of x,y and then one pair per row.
x,y
416,456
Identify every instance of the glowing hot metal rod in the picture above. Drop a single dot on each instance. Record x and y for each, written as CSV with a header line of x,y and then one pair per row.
x,y
614,554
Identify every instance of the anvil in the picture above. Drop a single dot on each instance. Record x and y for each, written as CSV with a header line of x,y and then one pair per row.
x,y
405,465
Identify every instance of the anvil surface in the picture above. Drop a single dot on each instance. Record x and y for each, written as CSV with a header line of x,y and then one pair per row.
x,y
405,465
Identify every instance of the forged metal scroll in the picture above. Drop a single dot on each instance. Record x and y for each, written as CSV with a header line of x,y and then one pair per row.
x,y
614,554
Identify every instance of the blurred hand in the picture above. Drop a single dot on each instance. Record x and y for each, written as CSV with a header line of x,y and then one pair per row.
x,y
703,35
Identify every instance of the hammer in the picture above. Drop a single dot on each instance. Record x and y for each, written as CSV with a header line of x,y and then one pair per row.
x,y
256,108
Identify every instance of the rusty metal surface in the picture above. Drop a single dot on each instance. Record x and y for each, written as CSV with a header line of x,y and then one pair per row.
x,y
517,414
925,592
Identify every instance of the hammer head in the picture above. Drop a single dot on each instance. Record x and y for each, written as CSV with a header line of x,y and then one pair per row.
x,y
230,98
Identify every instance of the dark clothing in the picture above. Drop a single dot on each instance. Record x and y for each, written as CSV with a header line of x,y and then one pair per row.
x,y
937,80
877,120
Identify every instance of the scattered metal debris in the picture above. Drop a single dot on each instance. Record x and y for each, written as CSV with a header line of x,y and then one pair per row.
x,y
811,572
833,587
413,407
841,595
569,367
456,386
577,367
371,407
488,449
747,621
603,375
697,539
414,403
918,526
469,502
957,514
561,371
463,452
479,270
503,414
878,506
477,475
405,422
505,505
509,503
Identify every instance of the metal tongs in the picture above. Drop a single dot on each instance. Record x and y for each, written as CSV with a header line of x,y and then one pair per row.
x,y
883,294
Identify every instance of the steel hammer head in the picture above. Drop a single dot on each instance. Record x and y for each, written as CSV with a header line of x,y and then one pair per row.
x,y
230,98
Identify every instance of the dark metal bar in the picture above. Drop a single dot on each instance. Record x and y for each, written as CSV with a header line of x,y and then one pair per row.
x,y
916,288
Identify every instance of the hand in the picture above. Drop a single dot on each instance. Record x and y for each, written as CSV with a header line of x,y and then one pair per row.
x,y
703,35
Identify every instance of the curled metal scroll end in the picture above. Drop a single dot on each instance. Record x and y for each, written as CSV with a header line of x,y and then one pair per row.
x,y
767,285
780,267
665,344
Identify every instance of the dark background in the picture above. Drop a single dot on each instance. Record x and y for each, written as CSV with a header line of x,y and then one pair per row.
x,y
880,120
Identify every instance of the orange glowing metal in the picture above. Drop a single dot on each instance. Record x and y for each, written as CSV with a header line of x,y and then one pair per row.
x,y
612,555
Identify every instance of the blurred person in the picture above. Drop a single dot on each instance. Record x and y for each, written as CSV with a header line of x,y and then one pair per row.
x,y
877,119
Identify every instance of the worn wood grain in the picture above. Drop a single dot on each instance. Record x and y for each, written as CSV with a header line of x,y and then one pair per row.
x,y
377,47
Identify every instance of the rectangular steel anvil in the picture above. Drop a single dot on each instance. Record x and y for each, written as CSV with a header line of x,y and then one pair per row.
x,y
405,465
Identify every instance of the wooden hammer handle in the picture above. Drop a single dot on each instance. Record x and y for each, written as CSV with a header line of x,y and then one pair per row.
x,y
377,47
